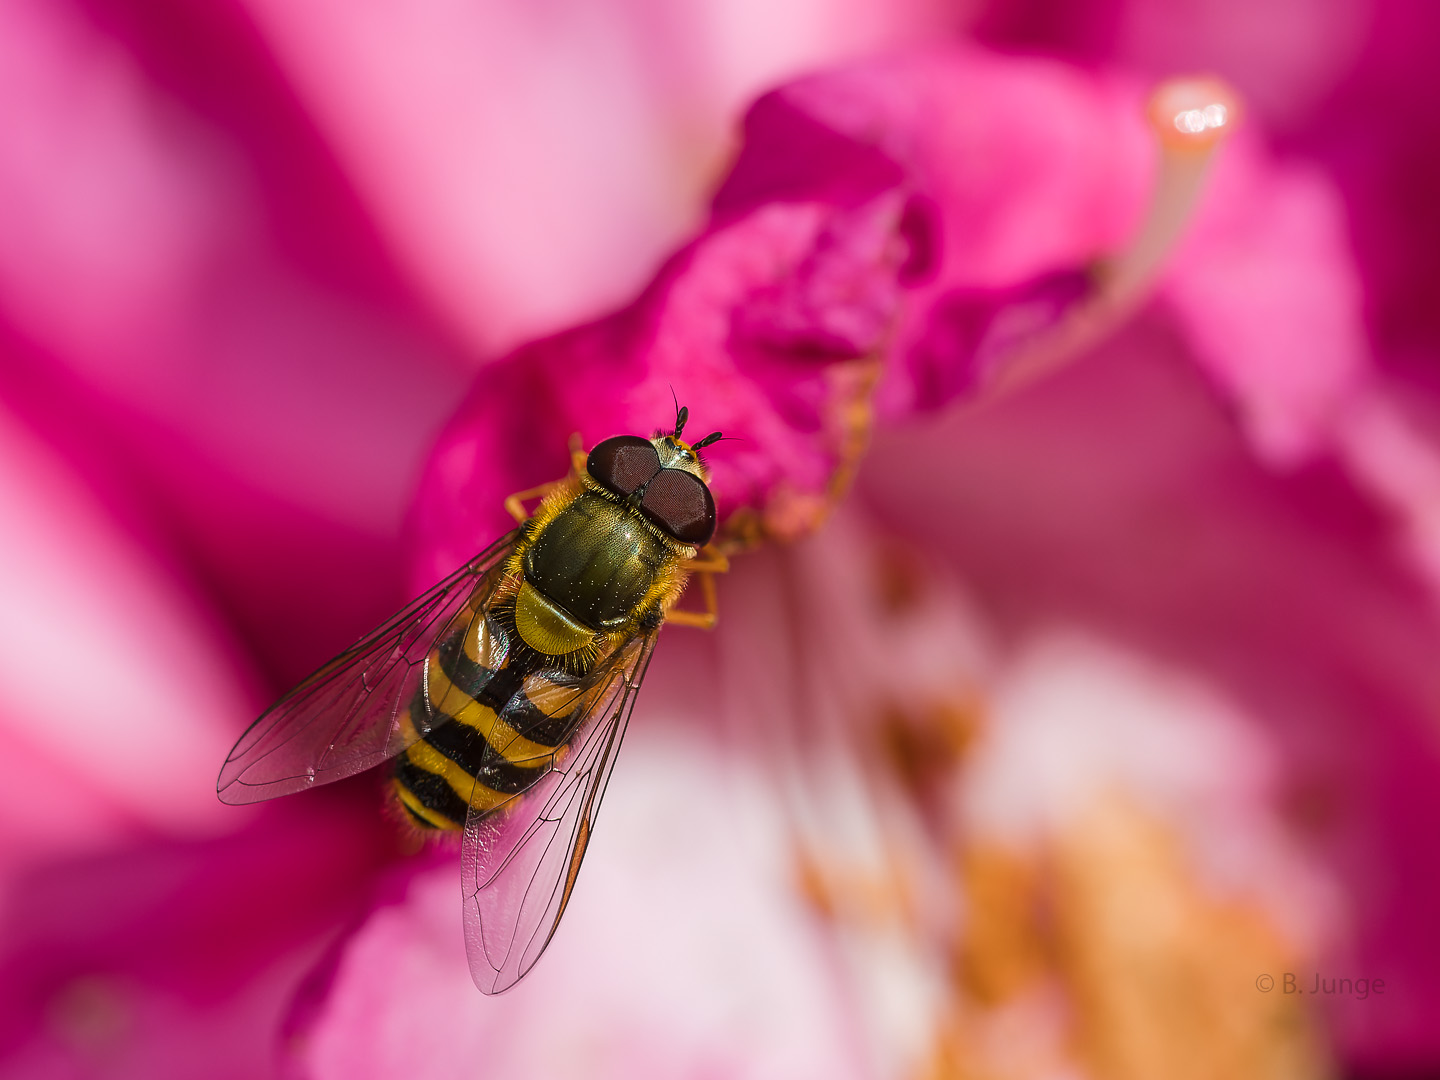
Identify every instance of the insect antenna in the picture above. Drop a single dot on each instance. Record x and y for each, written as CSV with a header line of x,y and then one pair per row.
x,y
713,437
680,418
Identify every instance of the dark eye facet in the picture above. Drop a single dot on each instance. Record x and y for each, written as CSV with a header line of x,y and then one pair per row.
x,y
623,464
682,505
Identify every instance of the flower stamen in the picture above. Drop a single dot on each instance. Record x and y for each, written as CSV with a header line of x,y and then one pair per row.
x,y
1190,119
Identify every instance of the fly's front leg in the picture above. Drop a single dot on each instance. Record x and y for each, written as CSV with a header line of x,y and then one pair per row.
x,y
705,565
579,460
515,504
709,560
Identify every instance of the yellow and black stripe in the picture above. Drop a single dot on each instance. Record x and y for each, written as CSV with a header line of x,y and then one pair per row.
x,y
493,718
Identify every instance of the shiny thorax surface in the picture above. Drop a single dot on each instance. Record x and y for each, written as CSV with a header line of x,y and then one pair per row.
x,y
597,560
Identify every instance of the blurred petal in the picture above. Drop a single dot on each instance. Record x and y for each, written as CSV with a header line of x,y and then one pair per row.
x,y
1285,56
165,958
135,259
1391,443
138,938
1267,291
855,212
852,672
683,954
531,165
1076,722
1111,821
1121,495
1069,145
1141,812
263,389
118,692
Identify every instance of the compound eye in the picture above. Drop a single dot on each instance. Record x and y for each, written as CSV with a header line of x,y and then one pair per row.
x,y
682,505
623,464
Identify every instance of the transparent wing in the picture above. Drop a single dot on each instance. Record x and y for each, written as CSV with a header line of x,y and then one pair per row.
x,y
345,718
519,860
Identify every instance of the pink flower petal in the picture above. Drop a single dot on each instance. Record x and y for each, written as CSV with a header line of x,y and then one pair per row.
x,y
178,316
176,958
864,202
532,165
684,952
1284,56
1121,495
1266,288
118,692
1391,443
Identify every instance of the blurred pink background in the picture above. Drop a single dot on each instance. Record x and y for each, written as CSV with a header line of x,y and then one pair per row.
x,y
1084,712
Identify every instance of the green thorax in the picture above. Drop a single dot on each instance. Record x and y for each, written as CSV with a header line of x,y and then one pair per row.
x,y
597,559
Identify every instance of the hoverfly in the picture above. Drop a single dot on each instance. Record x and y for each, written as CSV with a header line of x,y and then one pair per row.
x,y
502,694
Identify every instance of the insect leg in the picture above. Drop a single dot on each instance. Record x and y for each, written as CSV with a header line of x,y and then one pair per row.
x,y
706,565
579,460
515,504
709,561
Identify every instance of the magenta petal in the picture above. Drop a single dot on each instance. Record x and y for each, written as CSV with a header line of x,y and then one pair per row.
x,y
783,404
116,684
530,164
1267,292
166,958
193,308
792,155
1028,164
1121,496
938,207
842,296
685,951
969,333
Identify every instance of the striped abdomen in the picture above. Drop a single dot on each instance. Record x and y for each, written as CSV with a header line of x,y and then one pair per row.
x,y
492,721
